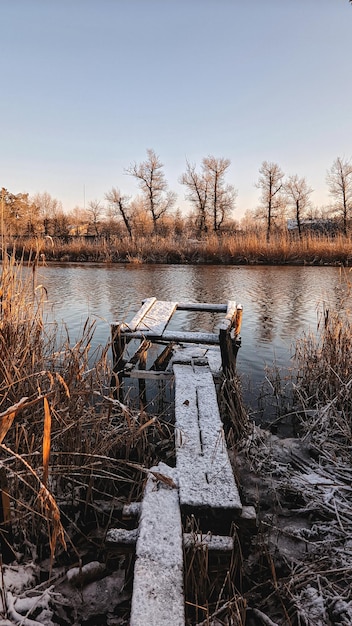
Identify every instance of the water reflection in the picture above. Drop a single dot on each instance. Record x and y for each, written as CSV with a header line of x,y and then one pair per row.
x,y
280,303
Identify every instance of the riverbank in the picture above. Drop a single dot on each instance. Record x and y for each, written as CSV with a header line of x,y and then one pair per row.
x,y
73,456
235,249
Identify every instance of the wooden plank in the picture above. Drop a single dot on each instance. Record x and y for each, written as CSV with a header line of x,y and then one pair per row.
x,y
187,353
178,337
120,539
149,375
157,318
144,346
157,598
206,307
216,543
163,359
205,474
136,320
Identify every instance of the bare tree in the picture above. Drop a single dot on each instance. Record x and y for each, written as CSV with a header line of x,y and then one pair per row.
x,y
210,195
48,208
297,193
120,205
221,196
151,179
197,186
271,184
95,211
339,180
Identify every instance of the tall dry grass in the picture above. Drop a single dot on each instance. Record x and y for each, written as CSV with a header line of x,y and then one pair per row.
x,y
66,443
323,386
236,248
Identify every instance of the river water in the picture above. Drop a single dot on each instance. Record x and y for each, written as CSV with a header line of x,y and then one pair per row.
x,y
279,303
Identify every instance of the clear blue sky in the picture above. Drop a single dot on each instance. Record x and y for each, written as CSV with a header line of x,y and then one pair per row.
x,y
88,85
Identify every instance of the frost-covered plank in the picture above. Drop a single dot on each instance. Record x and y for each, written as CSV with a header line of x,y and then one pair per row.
x,y
217,543
178,336
204,306
187,353
205,474
158,574
157,317
133,324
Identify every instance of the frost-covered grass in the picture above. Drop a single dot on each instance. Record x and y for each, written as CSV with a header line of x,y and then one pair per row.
x,y
300,562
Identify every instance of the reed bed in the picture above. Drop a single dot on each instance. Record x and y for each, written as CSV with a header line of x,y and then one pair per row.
x,y
298,568
72,453
67,444
236,248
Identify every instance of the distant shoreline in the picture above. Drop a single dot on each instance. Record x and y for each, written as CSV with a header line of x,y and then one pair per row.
x,y
236,249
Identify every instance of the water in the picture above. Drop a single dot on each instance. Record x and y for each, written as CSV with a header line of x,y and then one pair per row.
x,y
280,303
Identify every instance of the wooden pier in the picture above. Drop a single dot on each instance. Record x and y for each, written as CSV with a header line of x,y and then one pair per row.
x,y
202,485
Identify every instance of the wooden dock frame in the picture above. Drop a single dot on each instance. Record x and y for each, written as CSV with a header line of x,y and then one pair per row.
x,y
150,325
202,485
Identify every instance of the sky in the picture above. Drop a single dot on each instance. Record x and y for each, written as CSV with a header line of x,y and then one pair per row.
x,y
87,86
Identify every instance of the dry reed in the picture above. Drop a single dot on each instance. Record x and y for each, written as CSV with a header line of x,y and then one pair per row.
x,y
236,248
66,442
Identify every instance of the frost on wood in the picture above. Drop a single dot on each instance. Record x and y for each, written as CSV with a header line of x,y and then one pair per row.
x,y
157,317
158,574
205,473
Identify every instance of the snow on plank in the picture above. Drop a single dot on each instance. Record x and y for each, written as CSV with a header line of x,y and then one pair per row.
x,y
177,336
158,574
157,317
133,324
205,474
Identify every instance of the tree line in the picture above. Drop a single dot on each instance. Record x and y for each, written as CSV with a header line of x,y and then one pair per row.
x,y
212,203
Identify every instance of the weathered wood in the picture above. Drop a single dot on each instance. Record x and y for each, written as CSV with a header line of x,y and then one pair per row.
x,y
141,350
158,574
136,320
149,375
238,321
178,337
227,321
120,540
162,360
205,475
202,306
156,319
215,543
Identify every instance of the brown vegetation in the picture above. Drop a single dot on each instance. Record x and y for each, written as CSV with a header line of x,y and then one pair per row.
x,y
72,454
233,249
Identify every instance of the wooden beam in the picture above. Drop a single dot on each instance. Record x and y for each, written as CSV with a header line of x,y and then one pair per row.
x,y
149,375
163,359
158,572
157,318
206,307
177,337
137,319
206,479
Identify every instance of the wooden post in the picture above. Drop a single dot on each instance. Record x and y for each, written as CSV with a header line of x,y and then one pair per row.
x,y
163,359
229,329
141,382
118,342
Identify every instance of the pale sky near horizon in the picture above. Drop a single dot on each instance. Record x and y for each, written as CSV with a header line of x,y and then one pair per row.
x,y
89,85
